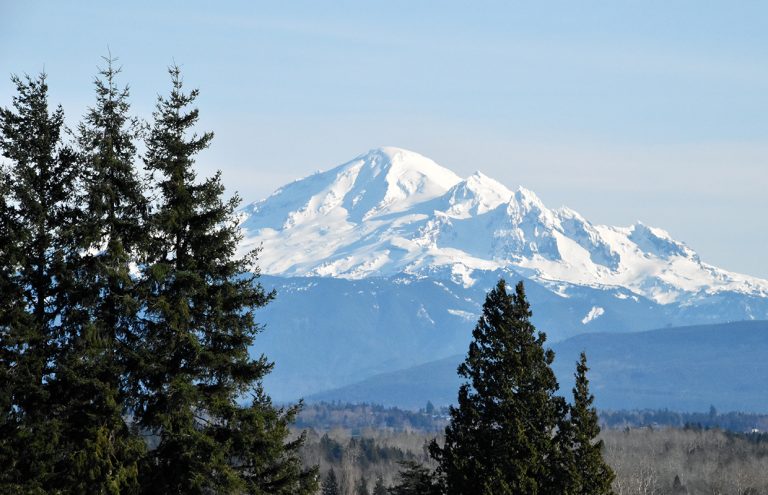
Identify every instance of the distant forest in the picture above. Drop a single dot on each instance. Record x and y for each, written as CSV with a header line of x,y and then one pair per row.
x,y
325,416
658,460
651,451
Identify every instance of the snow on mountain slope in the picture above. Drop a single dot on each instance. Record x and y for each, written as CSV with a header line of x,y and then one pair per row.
x,y
393,211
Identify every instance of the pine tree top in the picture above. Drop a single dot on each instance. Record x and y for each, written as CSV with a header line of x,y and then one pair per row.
x,y
500,436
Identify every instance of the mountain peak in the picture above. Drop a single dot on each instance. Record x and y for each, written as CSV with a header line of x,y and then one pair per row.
x,y
394,152
391,211
528,197
399,161
390,179
479,180
658,241
476,195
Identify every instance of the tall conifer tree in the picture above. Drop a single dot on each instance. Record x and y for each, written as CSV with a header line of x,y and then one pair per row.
x,y
590,473
500,439
330,485
198,325
362,487
100,321
12,315
37,275
379,488
416,479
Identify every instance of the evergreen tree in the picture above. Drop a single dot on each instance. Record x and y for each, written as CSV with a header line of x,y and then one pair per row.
x,y
266,462
36,275
565,469
417,480
362,487
198,324
591,475
330,486
379,488
677,487
100,320
11,315
500,439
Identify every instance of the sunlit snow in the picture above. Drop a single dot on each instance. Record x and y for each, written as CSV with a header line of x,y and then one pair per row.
x,y
594,313
393,211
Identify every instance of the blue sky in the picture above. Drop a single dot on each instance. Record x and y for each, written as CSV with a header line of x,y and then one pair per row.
x,y
624,111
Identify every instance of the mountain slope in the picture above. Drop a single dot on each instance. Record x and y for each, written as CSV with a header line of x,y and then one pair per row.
x,y
383,263
393,211
325,332
685,369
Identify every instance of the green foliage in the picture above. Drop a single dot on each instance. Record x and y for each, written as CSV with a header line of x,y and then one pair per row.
x,y
37,253
102,453
9,315
265,460
510,433
330,486
331,449
500,439
198,324
416,480
379,488
705,460
590,474
362,487
732,421
123,319
359,417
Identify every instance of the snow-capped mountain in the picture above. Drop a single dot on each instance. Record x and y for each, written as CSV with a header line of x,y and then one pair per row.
x,y
383,263
393,211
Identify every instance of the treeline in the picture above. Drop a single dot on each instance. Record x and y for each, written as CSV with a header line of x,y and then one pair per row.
x,y
356,418
358,461
730,421
660,461
126,314
324,416
687,461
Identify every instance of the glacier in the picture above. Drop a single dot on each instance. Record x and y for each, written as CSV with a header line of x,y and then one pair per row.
x,y
393,211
